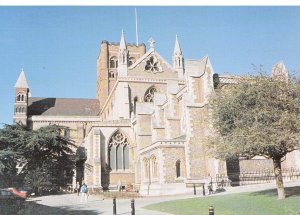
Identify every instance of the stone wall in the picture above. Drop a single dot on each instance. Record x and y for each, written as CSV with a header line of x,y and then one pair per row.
x,y
170,156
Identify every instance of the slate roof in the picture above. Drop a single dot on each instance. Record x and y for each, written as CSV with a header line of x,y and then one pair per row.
x,y
63,107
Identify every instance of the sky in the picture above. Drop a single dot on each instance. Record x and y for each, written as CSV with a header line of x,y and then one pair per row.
x,y
58,46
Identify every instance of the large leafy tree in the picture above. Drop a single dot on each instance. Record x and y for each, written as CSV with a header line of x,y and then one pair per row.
x,y
259,116
44,154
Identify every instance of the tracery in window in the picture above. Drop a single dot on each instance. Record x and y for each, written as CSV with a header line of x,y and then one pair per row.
x,y
118,152
153,65
149,95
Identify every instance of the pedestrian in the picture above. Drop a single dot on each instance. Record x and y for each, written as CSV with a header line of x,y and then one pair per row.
x,y
209,184
77,188
84,192
119,186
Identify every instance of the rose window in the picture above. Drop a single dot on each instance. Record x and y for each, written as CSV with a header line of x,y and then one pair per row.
x,y
152,65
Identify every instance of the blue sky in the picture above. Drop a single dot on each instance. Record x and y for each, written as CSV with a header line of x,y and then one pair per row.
x,y
58,46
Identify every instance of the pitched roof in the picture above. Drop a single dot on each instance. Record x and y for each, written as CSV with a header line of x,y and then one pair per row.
x,y
22,82
63,107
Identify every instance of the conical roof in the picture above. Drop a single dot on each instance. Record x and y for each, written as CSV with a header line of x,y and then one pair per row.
x,y
21,82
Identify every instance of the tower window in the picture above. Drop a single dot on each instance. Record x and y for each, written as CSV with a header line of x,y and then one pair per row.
x,y
111,74
113,63
118,152
20,97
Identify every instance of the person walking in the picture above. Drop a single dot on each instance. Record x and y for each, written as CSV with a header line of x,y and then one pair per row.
x,y
78,188
84,192
209,184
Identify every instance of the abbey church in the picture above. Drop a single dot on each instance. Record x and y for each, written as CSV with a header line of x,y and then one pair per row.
x,y
147,126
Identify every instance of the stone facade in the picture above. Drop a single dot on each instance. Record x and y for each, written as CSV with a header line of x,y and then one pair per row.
x,y
148,124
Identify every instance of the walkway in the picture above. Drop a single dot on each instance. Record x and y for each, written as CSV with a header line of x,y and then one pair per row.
x,y
70,203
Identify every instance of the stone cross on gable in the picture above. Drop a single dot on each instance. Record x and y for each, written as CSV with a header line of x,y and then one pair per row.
x,y
151,43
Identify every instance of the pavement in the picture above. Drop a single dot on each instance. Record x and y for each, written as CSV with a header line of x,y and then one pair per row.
x,y
70,203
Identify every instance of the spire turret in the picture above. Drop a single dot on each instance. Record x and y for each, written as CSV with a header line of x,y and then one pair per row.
x,y
178,60
177,49
123,57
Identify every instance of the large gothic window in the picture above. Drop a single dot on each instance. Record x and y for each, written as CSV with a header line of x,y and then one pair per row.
x,y
118,152
149,95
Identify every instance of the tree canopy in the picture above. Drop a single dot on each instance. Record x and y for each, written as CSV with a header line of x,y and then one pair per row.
x,y
45,155
257,116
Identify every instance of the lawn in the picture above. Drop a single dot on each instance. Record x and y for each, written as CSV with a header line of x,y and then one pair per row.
x,y
256,203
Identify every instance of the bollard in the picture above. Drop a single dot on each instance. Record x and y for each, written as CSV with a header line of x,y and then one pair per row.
x,y
194,189
211,210
203,189
132,207
114,206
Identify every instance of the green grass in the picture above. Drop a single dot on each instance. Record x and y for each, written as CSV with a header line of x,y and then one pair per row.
x,y
256,203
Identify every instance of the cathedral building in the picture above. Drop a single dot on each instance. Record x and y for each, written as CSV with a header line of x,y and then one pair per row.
x,y
147,126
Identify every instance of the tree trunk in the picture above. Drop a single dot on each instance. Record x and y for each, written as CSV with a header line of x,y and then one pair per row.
x,y
278,178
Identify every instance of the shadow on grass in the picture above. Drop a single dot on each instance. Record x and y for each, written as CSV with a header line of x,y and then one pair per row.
x,y
32,208
289,192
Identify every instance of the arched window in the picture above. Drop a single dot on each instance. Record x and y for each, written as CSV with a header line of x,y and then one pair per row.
x,y
178,168
146,168
153,167
135,100
149,95
111,74
118,152
17,109
20,97
113,62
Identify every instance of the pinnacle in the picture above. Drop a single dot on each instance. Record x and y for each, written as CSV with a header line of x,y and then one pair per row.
x,y
122,42
177,49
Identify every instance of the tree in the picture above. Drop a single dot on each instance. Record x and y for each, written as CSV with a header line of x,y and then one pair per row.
x,y
46,154
259,116
10,137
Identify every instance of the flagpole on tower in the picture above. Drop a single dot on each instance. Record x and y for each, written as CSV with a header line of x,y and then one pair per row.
x,y
136,28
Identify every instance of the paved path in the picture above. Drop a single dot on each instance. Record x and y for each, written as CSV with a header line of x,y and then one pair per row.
x,y
70,203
